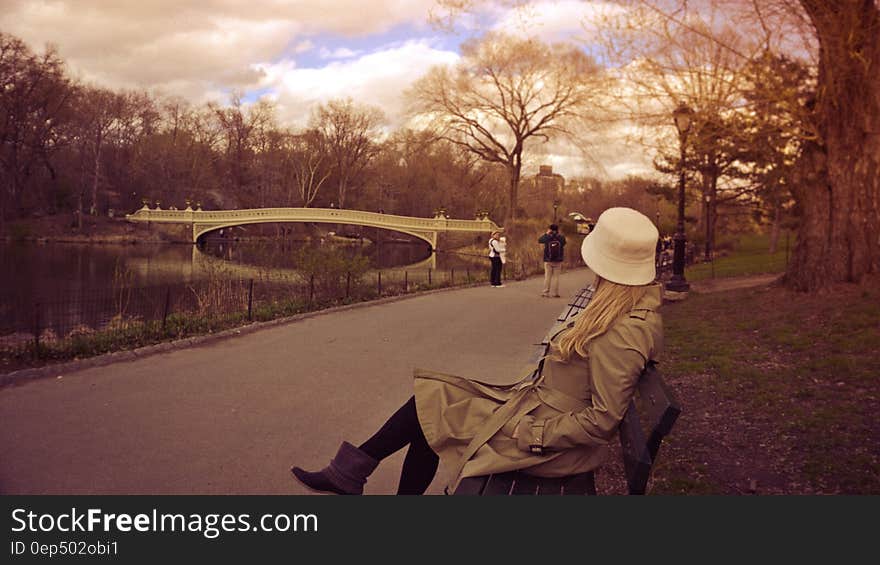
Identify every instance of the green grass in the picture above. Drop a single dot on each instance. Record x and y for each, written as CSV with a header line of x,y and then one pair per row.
x,y
750,256
680,484
794,373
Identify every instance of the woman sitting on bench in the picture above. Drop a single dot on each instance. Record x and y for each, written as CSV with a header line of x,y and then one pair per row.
x,y
553,426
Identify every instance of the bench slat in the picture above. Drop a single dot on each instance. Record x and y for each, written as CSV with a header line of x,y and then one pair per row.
x,y
525,484
582,484
551,486
472,486
500,483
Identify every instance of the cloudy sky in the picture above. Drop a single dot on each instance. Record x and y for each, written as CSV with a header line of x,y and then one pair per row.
x,y
297,52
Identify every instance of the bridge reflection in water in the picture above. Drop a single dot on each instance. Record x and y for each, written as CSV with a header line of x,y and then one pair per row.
x,y
244,258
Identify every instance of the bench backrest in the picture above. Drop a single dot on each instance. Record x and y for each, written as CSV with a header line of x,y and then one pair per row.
x,y
572,309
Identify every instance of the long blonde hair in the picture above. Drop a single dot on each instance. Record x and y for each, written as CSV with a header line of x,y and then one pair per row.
x,y
610,301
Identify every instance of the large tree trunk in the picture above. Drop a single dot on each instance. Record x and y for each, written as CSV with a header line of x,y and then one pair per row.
x,y
341,189
711,218
96,175
19,181
78,212
512,195
838,184
775,227
709,211
514,169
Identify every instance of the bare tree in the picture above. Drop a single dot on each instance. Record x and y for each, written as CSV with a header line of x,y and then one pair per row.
x,y
241,125
835,181
771,134
503,93
101,115
663,62
34,105
349,131
269,145
168,150
180,158
310,160
837,185
205,146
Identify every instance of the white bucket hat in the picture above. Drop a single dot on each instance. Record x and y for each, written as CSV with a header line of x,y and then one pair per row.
x,y
621,247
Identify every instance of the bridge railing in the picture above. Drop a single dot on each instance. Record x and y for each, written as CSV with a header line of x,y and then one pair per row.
x,y
326,215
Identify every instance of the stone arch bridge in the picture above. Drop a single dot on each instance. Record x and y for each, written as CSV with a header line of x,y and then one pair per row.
x,y
202,222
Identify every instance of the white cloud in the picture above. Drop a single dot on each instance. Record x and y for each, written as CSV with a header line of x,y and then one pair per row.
x,y
189,46
201,49
377,79
610,154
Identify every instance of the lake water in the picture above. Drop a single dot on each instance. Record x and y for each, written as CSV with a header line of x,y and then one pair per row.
x,y
60,272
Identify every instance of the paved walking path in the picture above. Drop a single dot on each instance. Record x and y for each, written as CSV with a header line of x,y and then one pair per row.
x,y
231,416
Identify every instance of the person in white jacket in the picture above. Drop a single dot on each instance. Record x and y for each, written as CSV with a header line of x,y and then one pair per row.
x,y
497,250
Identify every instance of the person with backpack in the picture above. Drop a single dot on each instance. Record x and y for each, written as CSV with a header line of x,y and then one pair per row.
x,y
554,253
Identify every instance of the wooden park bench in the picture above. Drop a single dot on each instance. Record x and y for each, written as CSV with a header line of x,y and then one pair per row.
x,y
663,264
647,421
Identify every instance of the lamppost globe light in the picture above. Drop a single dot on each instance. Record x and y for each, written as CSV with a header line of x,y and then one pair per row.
x,y
682,116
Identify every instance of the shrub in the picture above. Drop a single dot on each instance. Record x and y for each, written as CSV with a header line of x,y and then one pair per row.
x,y
332,269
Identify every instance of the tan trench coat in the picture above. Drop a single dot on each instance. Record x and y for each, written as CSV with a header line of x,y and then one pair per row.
x,y
571,413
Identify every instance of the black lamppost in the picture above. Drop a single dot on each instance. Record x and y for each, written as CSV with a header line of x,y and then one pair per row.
x,y
678,283
555,206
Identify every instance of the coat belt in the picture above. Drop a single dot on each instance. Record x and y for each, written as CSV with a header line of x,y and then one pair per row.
x,y
521,403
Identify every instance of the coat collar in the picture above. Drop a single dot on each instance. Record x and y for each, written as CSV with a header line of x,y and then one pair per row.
x,y
652,299
649,303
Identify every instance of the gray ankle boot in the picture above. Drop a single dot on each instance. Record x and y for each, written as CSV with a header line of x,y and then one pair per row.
x,y
346,474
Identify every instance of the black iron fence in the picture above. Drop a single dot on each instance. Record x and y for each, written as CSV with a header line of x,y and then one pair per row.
x,y
94,321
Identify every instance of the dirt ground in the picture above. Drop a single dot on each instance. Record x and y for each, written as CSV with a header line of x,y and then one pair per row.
x,y
815,433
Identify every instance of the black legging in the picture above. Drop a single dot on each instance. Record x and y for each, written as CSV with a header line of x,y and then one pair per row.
x,y
495,271
420,463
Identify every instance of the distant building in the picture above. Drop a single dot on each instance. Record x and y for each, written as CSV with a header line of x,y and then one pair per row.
x,y
537,193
